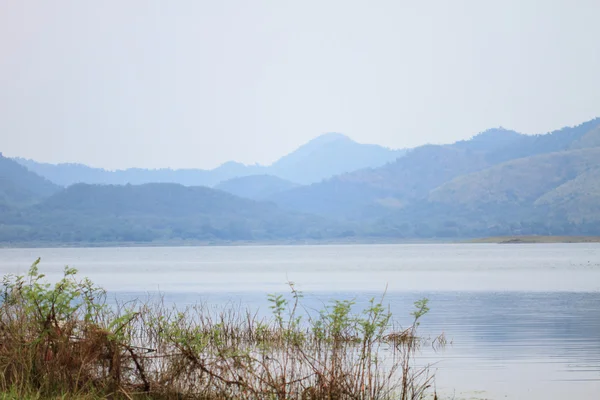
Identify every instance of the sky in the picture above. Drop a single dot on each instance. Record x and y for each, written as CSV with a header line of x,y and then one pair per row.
x,y
192,84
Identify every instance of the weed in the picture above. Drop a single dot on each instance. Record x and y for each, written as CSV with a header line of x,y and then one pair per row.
x,y
64,341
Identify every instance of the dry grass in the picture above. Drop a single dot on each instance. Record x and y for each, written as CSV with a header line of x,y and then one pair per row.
x,y
63,341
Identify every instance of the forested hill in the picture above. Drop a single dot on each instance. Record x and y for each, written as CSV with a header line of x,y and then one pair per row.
x,y
256,187
497,183
410,179
19,186
153,212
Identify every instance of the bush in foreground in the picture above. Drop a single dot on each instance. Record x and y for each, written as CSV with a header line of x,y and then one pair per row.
x,y
64,340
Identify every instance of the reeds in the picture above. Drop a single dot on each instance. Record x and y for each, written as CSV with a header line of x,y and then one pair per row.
x,y
64,340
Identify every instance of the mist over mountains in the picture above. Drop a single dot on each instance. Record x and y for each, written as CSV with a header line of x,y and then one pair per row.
x,y
323,157
499,182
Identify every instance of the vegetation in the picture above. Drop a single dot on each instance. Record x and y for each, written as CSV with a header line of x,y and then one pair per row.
x,y
255,187
19,186
63,340
560,140
414,179
408,179
498,183
153,212
520,181
538,239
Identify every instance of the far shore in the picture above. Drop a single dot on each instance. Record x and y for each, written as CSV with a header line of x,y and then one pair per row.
x,y
309,242
537,239
205,243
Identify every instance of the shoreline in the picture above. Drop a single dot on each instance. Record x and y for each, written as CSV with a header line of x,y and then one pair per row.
x,y
536,239
224,243
533,239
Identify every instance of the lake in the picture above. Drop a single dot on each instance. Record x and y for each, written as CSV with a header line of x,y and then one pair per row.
x,y
523,320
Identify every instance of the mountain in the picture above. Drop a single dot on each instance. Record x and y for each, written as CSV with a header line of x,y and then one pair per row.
x,y
490,140
393,185
327,155
468,189
154,212
559,140
517,182
19,186
69,174
499,182
549,194
256,187
588,140
577,199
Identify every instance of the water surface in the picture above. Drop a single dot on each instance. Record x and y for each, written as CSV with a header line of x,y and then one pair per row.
x,y
524,320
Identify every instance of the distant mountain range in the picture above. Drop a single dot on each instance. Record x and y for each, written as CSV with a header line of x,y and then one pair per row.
x,y
410,180
327,155
499,182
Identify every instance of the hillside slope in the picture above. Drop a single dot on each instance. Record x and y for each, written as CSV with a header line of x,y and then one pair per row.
x,y
562,139
394,185
409,180
490,140
577,199
255,187
329,155
19,186
550,194
520,181
151,212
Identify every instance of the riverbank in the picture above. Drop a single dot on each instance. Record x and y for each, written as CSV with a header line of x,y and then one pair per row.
x,y
537,239
205,243
305,242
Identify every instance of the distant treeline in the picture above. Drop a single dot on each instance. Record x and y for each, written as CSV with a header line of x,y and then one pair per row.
x,y
499,183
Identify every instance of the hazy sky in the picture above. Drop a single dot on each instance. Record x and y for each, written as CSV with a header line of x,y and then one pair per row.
x,y
190,83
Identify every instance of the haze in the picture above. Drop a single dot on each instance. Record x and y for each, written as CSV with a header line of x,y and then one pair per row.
x,y
196,83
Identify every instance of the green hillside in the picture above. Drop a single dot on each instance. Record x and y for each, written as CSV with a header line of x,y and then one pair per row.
x,y
551,194
473,170
520,181
498,183
11,194
578,199
256,187
590,139
563,139
396,184
19,186
153,212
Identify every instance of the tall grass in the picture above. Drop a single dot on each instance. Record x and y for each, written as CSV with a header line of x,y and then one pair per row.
x,y
65,341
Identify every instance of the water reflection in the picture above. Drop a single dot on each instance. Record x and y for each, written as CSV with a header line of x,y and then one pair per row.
x,y
524,321
524,345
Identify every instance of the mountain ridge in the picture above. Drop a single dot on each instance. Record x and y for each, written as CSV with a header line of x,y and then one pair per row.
x,y
411,179
497,183
318,159
18,185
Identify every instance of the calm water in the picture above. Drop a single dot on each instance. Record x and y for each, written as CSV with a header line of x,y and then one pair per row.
x,y
524,320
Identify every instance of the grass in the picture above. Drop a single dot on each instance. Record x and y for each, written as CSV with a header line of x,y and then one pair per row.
x,y
63,341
